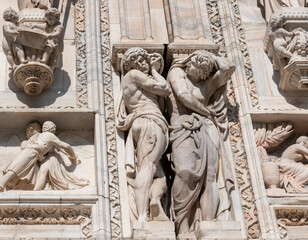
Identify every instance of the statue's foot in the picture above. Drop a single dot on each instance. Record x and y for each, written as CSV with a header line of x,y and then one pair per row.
x,y
24,61
1,189
143,219
43,61
186,235
157,212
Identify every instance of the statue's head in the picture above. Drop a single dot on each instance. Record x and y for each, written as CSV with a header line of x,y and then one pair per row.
x,y
302,140
10,15
201,65
49,126
52,16
276,20
135,58
32,129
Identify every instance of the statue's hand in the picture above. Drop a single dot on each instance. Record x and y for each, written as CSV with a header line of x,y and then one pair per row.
x,y
76,161
156,61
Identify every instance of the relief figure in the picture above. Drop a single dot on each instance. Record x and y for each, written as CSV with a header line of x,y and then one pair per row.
x,y
293,167
139,113
29,165
203,180
13,50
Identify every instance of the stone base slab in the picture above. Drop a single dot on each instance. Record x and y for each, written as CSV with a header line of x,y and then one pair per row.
x,y
219,230
154,230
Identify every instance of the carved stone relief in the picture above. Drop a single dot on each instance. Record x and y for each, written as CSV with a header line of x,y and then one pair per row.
x,y
291,218
286,43
139,113
198,130
284,170
33,61
48,215
41,162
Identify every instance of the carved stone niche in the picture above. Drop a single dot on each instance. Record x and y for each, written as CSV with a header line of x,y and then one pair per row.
x,y
286,43
33,43
283,154
26,166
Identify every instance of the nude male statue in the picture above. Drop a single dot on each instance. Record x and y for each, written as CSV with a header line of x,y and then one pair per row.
x,y
142,86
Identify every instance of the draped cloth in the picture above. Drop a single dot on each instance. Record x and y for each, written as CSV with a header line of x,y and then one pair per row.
x,y
58,177
293,176
24,164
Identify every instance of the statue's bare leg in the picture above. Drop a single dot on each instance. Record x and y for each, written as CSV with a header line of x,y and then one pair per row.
x,y
151,144
158,189
47,52
20,53
6,179
42,176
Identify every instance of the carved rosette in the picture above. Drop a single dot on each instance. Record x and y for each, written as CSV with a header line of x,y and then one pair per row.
x,y
33,77
295,76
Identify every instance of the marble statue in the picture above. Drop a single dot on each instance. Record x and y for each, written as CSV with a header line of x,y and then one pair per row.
x,y
286,42
13,50
34,164
293,167
278,37
139,113
271,6
197,111
33,43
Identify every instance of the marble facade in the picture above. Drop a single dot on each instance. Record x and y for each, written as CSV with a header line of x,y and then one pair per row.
x,y
160,119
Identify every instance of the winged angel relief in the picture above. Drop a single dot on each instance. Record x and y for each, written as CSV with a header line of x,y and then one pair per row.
x,y
43,161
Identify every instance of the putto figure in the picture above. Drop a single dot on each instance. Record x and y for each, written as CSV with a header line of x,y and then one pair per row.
x,y
33,43
139,113
203,180
13,50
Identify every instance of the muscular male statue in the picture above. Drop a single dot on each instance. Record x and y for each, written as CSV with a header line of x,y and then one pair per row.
x,y
142,86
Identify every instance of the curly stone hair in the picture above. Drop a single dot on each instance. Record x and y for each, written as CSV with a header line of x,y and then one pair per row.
x,y
131,56
204,62
32,126
49,126
53,12
274,18
9,14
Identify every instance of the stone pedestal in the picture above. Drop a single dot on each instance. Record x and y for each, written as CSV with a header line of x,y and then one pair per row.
x,y
154,230
219,230
295,76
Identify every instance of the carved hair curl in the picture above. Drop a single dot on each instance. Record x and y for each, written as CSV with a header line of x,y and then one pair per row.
x,y
49,126
302,139
9,13
31,127
131,56
204,62
53,12
274,18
